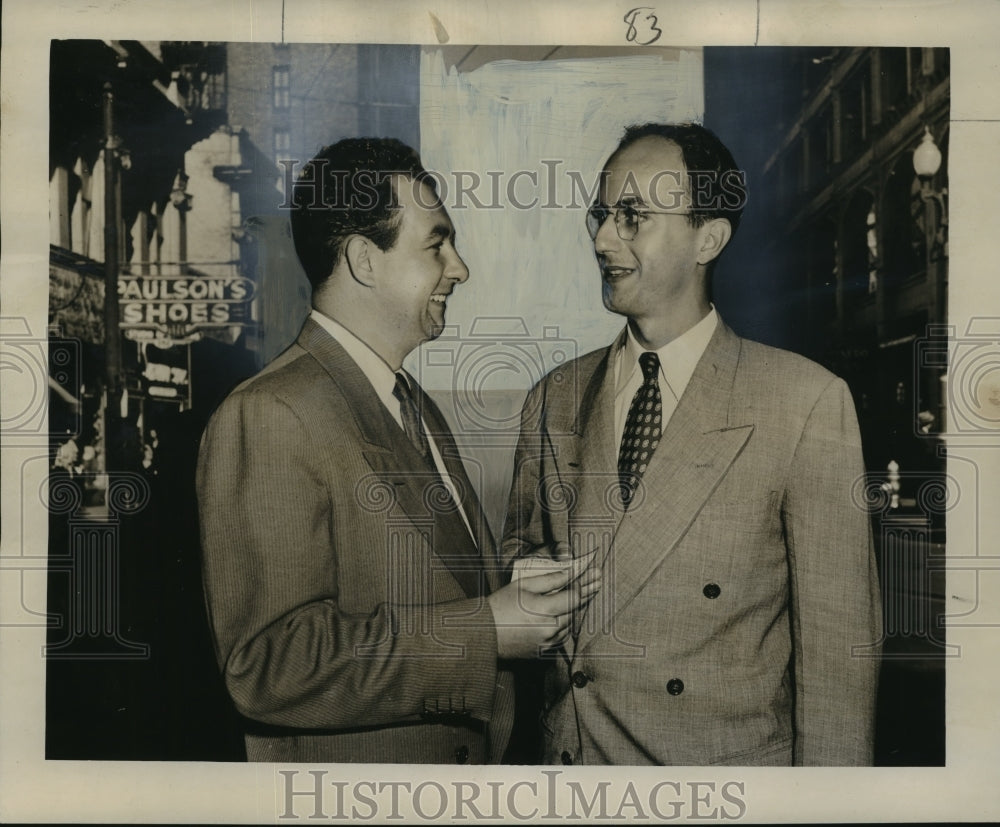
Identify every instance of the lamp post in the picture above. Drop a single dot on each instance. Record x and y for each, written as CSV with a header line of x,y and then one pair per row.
x,y
113,399
112,343
926,163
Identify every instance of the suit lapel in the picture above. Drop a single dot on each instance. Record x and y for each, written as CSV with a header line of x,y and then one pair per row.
x,y
698,446
597,474
452,459
583,446
394,460
582,435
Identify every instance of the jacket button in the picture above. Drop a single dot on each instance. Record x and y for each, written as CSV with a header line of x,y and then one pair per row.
x,y
711,591
462,754
580,679
675,686
566,758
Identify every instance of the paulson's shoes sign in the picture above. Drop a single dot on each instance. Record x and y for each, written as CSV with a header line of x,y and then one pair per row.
x,y
186,302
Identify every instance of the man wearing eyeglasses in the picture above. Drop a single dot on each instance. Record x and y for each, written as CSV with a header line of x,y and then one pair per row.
x,y
739,620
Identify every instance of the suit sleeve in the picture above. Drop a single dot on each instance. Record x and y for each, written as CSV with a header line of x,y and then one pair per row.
x,y
835,605
524,526
290,656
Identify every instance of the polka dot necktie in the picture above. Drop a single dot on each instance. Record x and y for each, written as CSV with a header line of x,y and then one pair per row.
x,y
642,428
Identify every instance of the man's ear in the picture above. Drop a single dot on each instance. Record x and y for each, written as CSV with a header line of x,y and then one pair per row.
x,y
358,253
715,235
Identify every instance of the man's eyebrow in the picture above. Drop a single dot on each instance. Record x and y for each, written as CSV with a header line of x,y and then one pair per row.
x,y
439,231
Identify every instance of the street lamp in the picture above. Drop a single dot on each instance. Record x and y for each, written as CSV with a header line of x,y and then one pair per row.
x,y
927,157
926,163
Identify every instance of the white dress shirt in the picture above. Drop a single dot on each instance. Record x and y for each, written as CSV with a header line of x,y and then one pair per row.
x,y
678,359
383,381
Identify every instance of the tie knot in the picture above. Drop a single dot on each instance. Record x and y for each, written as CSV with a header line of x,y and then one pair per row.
x,y
650,364
402,390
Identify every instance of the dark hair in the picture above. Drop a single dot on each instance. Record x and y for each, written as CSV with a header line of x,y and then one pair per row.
x,y
348,189
721,193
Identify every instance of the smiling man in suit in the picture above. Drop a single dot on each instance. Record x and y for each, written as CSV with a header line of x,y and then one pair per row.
x,y
350,575
739,617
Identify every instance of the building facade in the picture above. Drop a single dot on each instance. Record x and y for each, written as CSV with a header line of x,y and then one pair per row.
x,y
866,235
843,256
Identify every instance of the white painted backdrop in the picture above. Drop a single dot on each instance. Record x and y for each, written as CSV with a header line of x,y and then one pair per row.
x,y
533,296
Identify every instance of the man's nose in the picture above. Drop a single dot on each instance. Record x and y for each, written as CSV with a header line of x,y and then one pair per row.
x,y
607,237
456,269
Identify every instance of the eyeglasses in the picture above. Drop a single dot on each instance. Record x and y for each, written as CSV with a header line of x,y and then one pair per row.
x,y
627,219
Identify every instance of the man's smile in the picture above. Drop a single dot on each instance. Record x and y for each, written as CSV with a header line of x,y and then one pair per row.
x,y
614,273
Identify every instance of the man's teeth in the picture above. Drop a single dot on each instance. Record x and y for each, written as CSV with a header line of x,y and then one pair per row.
x,y
439,298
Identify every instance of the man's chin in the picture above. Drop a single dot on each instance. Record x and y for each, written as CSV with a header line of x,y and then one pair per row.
x,y
613,300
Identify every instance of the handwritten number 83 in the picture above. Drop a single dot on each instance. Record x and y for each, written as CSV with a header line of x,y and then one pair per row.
x,y
633,34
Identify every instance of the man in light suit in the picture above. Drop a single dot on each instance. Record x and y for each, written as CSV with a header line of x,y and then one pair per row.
x,y
350,576
739,617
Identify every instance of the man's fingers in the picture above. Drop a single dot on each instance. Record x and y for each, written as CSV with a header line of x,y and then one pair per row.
x,y
551,580
564,597
564,602
564,619
556,637
542,583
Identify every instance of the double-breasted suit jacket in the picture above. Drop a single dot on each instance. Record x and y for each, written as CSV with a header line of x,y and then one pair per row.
x,y
739,620
345,593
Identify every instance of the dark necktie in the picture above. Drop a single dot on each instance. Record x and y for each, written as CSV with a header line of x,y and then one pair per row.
x,y
414,428
412,423
642,428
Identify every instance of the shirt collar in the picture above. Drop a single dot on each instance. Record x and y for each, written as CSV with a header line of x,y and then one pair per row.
x,y
373,366
678,357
